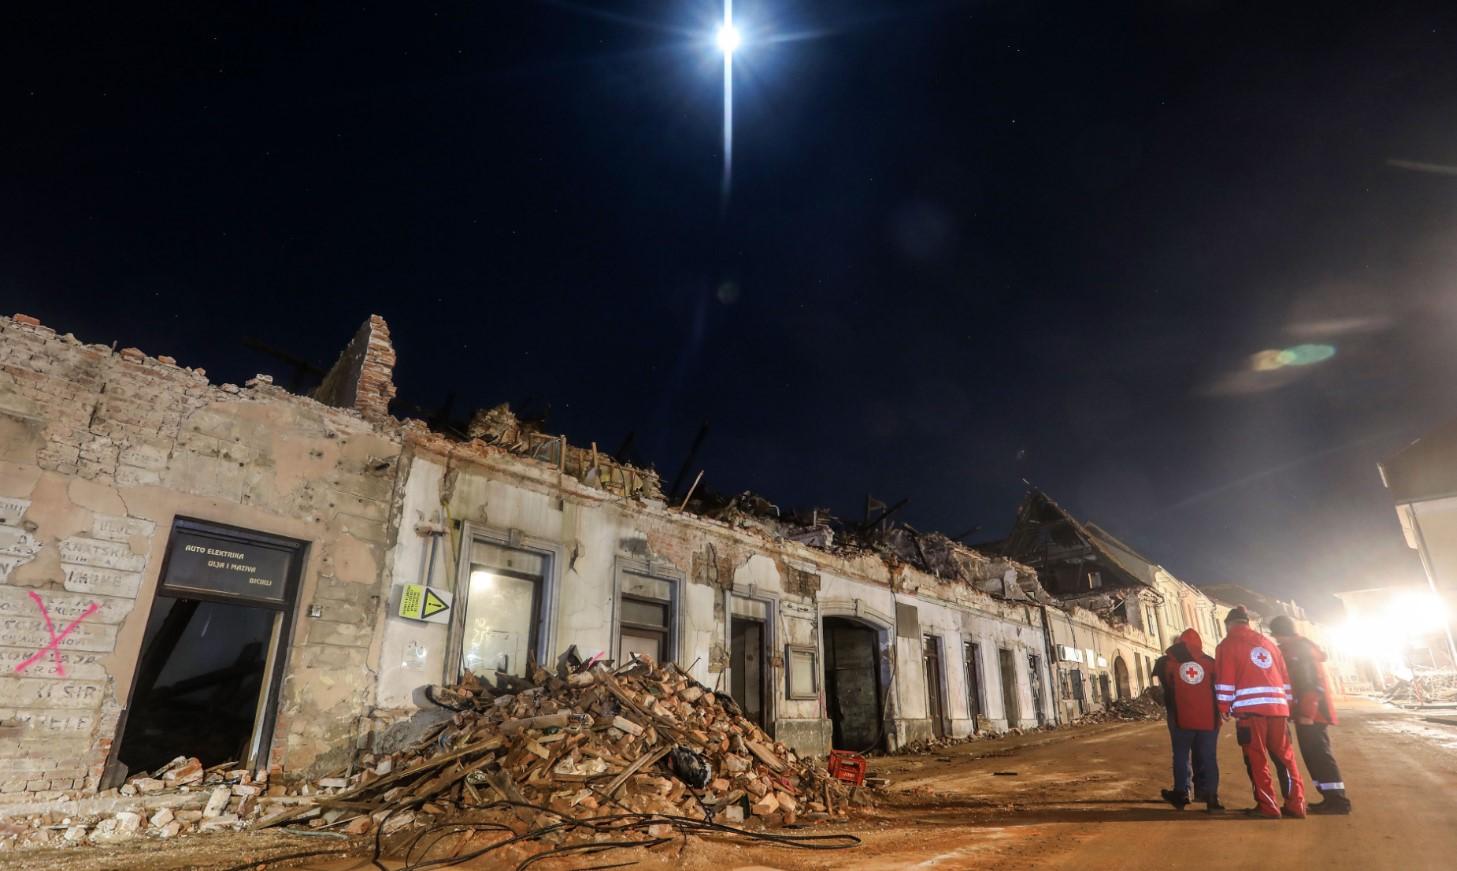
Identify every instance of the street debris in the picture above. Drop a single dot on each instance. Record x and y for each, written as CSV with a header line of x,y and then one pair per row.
x,y
1148,705
581,759
1427,688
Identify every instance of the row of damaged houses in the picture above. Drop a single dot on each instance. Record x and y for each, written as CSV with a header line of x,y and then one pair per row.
x,y
243,574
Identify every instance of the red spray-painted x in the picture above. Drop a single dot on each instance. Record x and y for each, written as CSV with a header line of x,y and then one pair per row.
x,y
54,647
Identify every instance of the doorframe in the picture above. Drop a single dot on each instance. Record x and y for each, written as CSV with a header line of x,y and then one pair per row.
x,y
769,674
883,625
974,677
1014,704
941,683
1035,680
265,719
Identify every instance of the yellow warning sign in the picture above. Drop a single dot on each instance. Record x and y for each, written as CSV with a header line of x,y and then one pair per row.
x,y
419,602
433,604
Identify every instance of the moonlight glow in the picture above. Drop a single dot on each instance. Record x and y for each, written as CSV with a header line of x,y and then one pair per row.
x,y
728,38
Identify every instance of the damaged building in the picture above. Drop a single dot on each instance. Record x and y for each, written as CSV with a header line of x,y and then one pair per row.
x,y
246,575
1119,609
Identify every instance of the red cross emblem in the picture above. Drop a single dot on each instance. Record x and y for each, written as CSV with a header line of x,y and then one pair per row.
x,y
1191,673
1261,657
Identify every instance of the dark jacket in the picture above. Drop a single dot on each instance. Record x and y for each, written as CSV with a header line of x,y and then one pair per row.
x,y
1309,682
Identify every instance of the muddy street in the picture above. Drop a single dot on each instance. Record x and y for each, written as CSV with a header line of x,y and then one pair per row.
x,y
1084,798
1092,802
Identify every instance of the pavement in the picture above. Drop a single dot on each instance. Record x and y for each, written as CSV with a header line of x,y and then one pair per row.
x,y
1084,797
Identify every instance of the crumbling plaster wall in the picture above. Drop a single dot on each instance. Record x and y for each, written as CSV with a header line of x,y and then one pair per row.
x,y
592,533
1084,630
99,452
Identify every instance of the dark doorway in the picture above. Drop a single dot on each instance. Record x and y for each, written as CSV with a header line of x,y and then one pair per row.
x,y
198,683
971,663
1103,686
1008,666
1120,674
213,651
746,664
852,683
931,659
1034,678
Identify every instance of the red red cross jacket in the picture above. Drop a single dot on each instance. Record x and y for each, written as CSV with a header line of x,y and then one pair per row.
x,y
1309,682
1250,676
1188,677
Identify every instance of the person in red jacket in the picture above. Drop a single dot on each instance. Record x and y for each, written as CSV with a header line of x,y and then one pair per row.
x,y
1187,676
1315,712
1251,685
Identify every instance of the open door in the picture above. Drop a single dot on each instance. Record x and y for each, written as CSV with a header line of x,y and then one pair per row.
x,y
748,655
852,684
213,651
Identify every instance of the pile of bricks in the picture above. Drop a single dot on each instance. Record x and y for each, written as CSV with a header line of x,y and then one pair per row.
x,y
583,742
179,798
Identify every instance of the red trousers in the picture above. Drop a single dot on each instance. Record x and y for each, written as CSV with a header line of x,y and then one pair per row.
x,y
1259,736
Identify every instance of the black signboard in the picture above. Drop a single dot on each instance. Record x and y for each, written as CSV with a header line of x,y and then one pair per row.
x,y
239,565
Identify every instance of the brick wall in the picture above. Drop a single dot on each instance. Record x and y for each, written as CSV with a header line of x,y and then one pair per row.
x,y
363,376
99,451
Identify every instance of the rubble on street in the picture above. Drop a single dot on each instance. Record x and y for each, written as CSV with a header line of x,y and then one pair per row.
x,y
1148,705
641,751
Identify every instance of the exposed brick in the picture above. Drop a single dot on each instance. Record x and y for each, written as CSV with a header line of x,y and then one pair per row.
x,y
362,378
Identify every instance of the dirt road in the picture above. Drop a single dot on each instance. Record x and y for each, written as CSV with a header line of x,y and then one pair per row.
x,y
1083,798
1085,803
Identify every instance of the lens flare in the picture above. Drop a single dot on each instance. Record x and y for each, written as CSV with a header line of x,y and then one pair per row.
x,y
729,38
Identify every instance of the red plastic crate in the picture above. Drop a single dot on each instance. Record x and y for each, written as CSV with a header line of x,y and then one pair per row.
x,y
847,766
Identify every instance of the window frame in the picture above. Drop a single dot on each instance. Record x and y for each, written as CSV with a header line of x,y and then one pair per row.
x,y
814,675
544,600
655,571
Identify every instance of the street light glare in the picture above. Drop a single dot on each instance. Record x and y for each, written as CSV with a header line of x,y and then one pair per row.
x,y
728,38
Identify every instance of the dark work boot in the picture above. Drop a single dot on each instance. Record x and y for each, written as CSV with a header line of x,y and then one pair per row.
x,y
1177,799
1212,805
1330,803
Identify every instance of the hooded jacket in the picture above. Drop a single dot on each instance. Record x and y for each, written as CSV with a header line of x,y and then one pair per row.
x,y
1250,677
1309,682
1187,674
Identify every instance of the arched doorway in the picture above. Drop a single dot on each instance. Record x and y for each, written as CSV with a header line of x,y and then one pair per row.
x,y
852,683
1120,674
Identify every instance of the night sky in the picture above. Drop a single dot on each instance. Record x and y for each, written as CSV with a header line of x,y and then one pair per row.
x,y
967,244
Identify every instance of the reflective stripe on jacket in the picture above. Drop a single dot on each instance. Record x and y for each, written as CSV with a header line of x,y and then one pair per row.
x,y
1250,676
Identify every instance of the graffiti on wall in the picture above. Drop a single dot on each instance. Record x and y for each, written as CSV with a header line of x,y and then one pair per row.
x,y
53,647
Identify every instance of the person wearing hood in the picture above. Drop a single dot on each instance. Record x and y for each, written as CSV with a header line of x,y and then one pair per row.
x,y
1314,712
1187,676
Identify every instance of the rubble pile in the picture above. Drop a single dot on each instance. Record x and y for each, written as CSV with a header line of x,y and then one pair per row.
x,y
900,543
644,748
1146,706
579,744
1427,687
926,745
179,798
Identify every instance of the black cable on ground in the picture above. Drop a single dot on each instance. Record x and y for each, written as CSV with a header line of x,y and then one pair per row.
x,y
616,824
